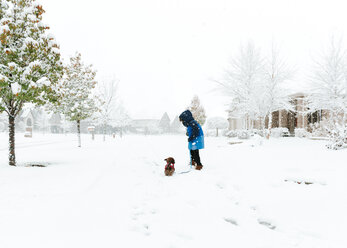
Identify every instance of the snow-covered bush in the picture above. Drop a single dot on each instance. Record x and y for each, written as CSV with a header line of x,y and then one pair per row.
x,y
231,133
279,132
244,134
301,133
338,138
318,130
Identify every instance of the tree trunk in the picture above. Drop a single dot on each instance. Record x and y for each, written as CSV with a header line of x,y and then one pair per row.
x,y
104,131
79,132
11,127
269,126
217,132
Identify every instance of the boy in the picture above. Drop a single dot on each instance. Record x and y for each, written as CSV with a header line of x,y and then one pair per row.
x,y
195,137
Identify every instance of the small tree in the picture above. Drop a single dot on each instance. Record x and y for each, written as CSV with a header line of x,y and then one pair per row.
x,y
78,102
121,118
30,63
107,95
197,110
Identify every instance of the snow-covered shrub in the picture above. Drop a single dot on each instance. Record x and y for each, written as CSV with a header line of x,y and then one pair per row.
x,y
301,133
231,133
318,130
213,132
279,132
244,134
338,138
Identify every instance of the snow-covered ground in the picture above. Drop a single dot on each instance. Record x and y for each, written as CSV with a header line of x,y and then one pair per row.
x,y
115,194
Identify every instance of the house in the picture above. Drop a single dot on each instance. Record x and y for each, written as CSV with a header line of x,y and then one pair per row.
x,y
156,126
55,123
27,118
299,118
145,126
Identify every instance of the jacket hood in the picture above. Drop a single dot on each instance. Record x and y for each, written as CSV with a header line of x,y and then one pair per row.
x,y
186,117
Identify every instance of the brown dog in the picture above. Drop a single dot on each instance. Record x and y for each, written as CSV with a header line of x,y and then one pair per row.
x,y
170,166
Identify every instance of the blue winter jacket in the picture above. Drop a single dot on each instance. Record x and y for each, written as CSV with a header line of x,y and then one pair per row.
x,y
194,131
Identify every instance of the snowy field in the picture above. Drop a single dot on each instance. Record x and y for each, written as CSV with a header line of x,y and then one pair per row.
x,y
115,194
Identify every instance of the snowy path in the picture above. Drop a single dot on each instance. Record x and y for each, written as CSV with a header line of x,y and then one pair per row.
x,y
115,194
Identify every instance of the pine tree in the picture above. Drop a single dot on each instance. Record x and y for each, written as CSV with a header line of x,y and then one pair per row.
x,y
164,123
197,110
78,102
175,125
30,63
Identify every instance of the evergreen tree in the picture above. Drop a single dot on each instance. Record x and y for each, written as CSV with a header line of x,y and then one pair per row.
x,y
175,125
30,63
78,102
164,123
197,110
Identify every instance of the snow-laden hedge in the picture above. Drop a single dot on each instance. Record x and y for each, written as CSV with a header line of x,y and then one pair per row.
x,y
279,132
301,133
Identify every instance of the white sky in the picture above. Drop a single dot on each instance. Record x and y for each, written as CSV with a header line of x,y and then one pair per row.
x,y
166,51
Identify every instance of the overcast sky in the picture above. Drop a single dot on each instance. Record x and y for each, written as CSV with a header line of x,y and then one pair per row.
x,y
166,51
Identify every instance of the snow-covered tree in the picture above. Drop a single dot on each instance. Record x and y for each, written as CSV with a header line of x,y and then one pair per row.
x,y
76,88
242,83
254,85
164,123
121,118
197,110
217,123
107,95
277,74
176,125
29,61
329,88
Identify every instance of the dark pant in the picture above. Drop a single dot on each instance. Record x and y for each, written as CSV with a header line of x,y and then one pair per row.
x,y
194,154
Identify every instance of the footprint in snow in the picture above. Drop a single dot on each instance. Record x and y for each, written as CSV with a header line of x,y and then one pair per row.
x,y
267,224
231,221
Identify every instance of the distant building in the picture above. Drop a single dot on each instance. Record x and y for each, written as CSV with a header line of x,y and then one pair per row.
x,y
55,123
145,126
156,126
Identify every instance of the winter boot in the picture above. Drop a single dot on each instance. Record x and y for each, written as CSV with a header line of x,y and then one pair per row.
x,y
198,167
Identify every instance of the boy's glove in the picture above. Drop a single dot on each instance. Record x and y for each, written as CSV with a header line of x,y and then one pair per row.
x,y
187,133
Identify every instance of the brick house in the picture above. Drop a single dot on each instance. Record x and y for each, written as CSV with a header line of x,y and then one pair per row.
x,y
283,118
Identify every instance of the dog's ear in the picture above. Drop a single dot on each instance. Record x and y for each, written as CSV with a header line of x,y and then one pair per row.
x,y
165,159
173,160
